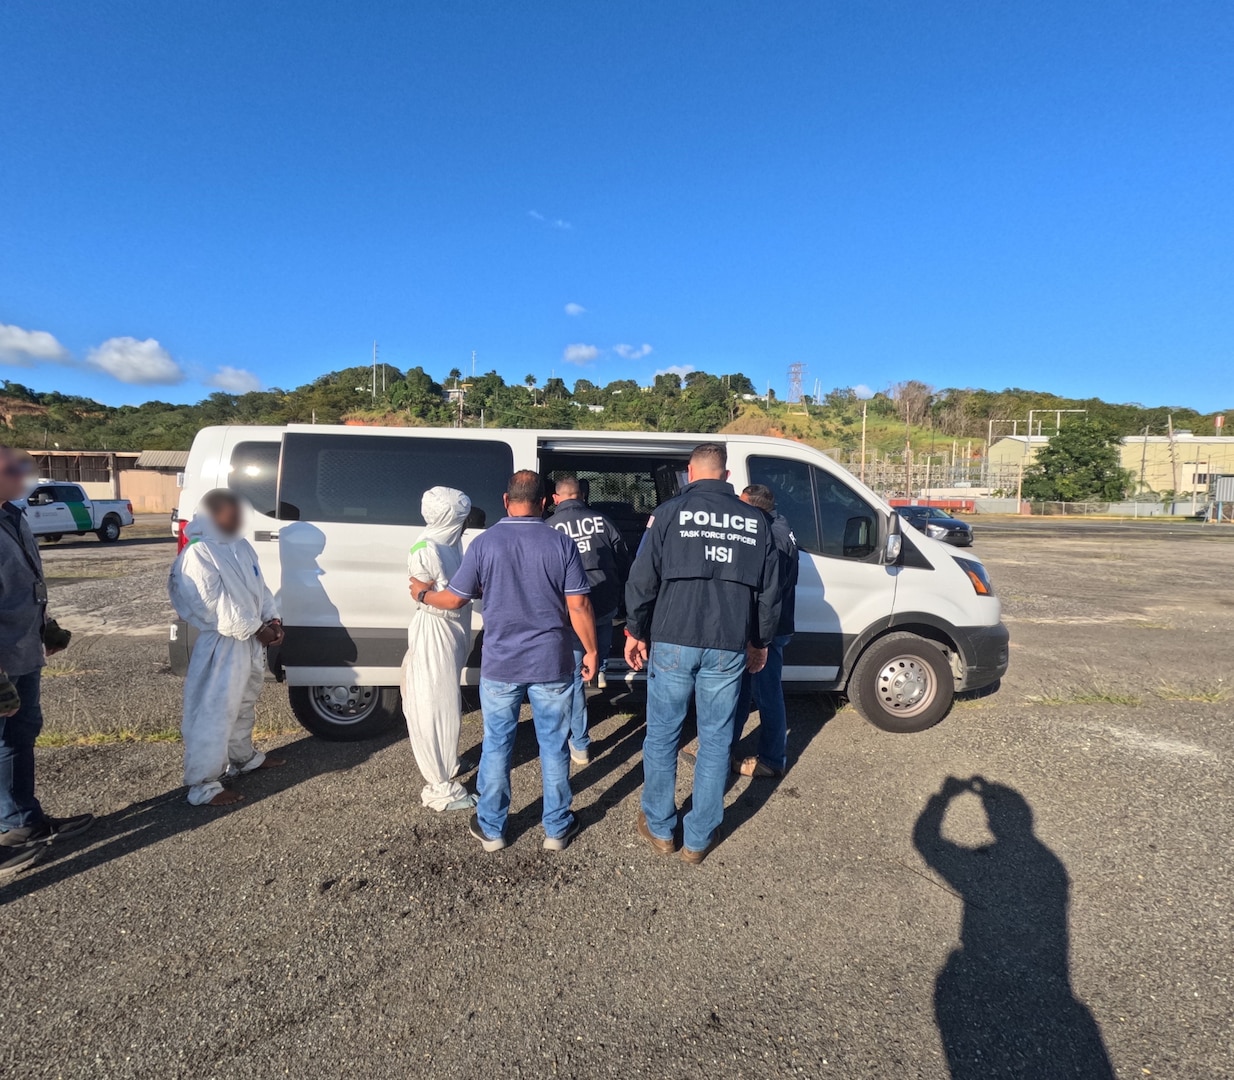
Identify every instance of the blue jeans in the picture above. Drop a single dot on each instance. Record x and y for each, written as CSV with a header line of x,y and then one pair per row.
x,y
675,674
18,806
550,705
767,690
579,738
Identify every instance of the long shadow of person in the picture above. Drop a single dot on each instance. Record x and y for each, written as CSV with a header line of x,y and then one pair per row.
x,y
149,821
1003,1000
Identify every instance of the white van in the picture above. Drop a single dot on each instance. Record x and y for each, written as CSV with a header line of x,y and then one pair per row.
x,y
895,620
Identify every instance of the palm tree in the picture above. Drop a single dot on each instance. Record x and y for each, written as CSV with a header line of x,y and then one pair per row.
x,y
530,382
455,374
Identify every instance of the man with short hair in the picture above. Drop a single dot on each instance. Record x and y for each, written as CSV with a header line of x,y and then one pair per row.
x,y
216,586
606,560
535,596
704,591
27,637
766,687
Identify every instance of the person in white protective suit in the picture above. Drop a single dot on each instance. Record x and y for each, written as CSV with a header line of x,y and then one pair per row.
x,y
437,646
216,587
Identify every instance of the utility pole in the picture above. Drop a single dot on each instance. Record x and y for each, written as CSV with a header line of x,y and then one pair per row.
x,y
862,475
908,454
473,363
374,380
1143,461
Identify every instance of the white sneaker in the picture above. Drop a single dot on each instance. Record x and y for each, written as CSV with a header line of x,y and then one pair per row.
x,y
580,757
601,680
560,843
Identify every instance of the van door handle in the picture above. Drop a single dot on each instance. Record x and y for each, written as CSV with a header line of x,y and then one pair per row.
x,y
265,534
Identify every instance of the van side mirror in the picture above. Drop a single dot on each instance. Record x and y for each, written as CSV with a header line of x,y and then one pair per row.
x,y
895,541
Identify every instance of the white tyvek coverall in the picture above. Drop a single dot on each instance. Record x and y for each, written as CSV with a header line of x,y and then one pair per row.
x,y
216,586
437,647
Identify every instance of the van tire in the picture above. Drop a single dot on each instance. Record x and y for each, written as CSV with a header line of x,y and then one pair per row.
x,y
902,683
346,714
51,538
109,531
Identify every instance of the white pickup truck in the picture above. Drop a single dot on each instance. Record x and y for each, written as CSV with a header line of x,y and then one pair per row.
x,y
55,508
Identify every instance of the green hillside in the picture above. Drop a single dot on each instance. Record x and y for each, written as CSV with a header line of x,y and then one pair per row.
x,y
934,421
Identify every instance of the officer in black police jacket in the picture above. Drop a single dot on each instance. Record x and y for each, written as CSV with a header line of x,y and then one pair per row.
x,y
702,605
607,561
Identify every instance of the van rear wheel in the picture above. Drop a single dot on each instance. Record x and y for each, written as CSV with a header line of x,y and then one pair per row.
x,y
902,683
345,713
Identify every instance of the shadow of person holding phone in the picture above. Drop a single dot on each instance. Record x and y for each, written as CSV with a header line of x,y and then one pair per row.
x,y
1003,1000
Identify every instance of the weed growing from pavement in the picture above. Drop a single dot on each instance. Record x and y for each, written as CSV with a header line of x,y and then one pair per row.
x,y
1092,696
55,739
1212,693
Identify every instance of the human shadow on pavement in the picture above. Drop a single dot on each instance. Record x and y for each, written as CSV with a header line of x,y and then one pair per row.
x,y
806,717
141,824
1003,1000
609,753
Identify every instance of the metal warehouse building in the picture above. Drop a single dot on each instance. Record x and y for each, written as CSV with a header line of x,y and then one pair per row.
x,y
1184,464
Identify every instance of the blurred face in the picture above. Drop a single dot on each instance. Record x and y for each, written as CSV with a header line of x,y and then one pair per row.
x,y
227,519
14,476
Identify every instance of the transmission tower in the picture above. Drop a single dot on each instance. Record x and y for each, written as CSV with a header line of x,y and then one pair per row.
x,y
795,374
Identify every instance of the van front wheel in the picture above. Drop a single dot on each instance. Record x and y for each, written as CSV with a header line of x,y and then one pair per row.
x,y
345,713
902,683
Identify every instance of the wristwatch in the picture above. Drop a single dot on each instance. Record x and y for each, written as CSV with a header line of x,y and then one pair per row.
x,y
423,593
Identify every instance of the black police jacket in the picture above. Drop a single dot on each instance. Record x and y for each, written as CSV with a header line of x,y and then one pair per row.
x,y
707,574
786,544
601,547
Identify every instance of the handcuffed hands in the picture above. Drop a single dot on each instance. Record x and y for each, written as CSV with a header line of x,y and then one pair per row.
x,y
271,633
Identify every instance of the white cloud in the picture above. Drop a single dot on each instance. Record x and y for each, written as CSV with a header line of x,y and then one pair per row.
x,y
18,346
142,363
579,353
862,391
677,369
234,380
575,309
552,223
633,352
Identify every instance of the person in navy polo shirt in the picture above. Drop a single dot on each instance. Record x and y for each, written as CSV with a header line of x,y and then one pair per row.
x,y
535,594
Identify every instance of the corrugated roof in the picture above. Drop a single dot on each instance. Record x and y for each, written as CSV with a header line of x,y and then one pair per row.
x,y
162,459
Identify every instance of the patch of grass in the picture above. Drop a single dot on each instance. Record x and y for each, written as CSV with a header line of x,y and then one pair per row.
x,y
1090,696
105,738
53,739
1211,693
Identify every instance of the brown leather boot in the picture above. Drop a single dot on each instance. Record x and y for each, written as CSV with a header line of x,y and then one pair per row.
x,y
660,847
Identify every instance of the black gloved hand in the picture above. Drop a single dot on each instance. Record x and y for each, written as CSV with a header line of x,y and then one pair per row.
x,y
9,701
55,638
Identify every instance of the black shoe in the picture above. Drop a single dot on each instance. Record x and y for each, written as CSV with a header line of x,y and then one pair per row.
x,y
54,829
20,859
489,843
560,843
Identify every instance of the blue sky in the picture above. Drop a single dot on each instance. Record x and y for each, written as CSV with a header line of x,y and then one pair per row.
x,y
972,194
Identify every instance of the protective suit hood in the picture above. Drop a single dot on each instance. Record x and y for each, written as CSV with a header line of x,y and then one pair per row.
x,y
202,527
445,512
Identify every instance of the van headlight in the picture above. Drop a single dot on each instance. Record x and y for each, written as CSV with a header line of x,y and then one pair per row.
x,y
976,573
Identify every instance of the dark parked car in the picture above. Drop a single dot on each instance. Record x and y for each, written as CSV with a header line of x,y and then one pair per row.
x,y
933,522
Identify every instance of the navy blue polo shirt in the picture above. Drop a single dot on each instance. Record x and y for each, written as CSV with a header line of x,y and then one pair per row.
x,y
523,569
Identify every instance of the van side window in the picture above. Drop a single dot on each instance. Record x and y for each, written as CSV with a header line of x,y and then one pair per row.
x,y
826,515
793,487
255,473
379,480
848,524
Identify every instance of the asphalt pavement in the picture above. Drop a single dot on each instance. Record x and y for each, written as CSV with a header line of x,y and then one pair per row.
x,y
1066,914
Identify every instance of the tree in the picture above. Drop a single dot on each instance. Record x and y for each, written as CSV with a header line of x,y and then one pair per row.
x,y
1078,464
454,376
